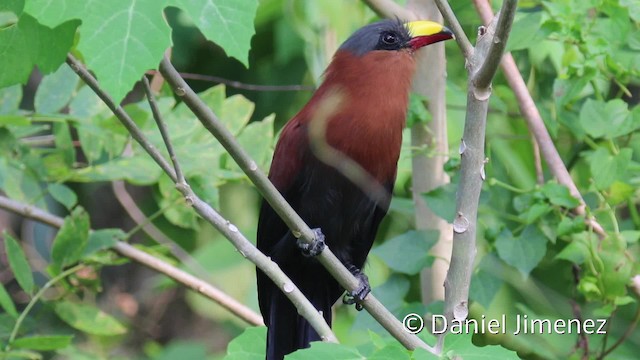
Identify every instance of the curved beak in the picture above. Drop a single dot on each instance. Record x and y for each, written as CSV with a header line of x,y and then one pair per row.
x,y
425,32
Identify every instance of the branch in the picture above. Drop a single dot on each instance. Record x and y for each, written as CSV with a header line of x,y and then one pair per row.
x,y
536,125
450,18
240,85
472,165
147,260
498,43
134,212
230,231
282,208
124,118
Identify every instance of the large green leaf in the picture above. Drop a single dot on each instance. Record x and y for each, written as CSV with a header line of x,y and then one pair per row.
x,y
249,345
55,90
228,23
408,253
6,303
523,252
71,239
607,168
88,319
121,39
27,44
43,343
18,263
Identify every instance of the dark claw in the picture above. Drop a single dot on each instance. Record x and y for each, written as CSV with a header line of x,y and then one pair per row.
x,y
315,248
360,293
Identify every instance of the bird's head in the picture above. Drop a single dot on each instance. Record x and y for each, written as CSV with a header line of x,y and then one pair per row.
x,y
393,35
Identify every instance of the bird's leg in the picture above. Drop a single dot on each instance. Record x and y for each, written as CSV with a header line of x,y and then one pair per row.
x,y
316,247
357,296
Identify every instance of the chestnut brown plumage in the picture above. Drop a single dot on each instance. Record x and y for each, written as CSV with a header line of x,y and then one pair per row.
x,y
371,75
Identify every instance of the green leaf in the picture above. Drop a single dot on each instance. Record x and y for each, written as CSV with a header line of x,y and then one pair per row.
x,y
568,225
249,345
324,350
534,212
559,195
117,48
525,32
619,192
64,145
183,350
630,236
523,252
71,240
576,252
484,287
13,6
18,263
55,90
610,119
102,239
63,195
43,343
26,44
14,120
408,253
256,139
460,346
390,352
442,201
88,319
418,112
607,168
6,303
10,99
229,23
236,113
634,8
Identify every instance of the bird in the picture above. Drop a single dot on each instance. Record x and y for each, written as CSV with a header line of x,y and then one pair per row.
x,y
362,105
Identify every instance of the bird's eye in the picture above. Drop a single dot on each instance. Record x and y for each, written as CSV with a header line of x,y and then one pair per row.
x,y
389,38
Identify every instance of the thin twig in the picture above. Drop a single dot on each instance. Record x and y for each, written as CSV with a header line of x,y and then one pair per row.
x,y
451,19
147,260
230,231
163,129
536,125
124,118
129,205
298,227
36,298
241,85
625,336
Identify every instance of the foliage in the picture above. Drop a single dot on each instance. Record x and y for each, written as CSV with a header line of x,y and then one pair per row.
x,y
59,144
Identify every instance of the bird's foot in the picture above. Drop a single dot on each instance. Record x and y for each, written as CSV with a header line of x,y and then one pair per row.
x,y
358,295
316,247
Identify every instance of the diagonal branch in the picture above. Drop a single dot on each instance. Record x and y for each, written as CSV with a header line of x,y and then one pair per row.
x,y
186,279
298,227
230,231
451,19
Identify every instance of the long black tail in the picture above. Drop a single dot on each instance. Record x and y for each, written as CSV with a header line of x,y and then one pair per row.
x,y
287,330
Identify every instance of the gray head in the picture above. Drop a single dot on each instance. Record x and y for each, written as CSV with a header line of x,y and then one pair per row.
x,y
381,35
393,35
